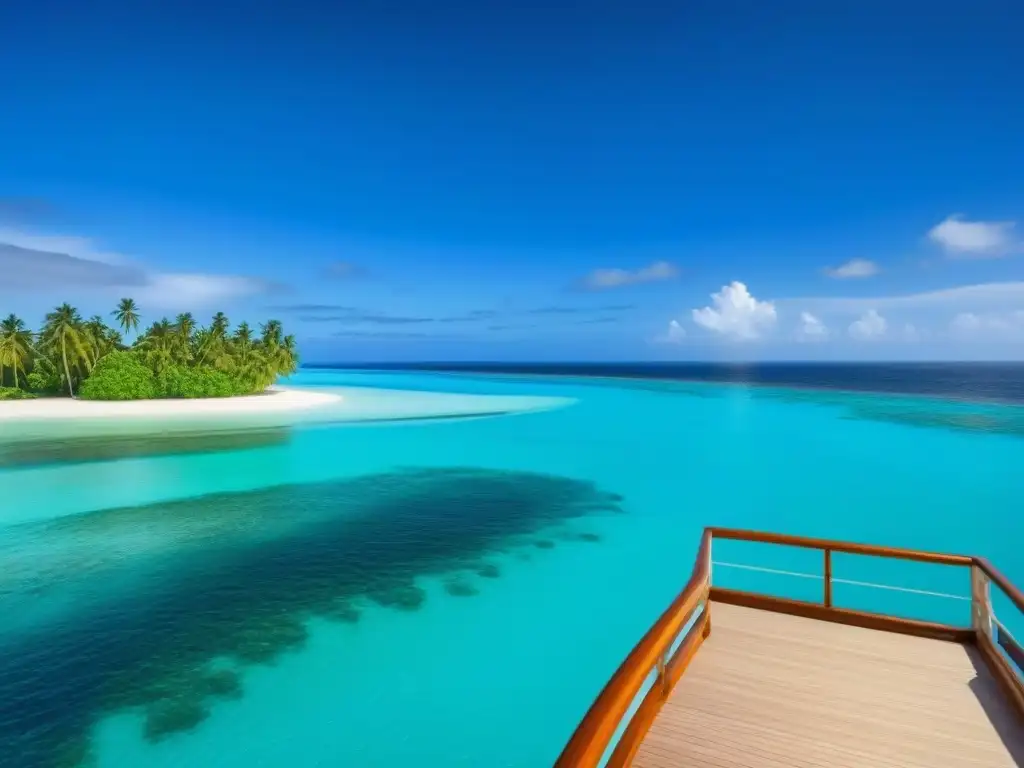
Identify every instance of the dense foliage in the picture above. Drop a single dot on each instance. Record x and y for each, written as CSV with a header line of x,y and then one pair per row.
x,y
11,393
119,376
169,359
179,381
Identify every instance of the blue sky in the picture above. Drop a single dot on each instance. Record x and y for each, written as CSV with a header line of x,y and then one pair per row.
x,y
414,181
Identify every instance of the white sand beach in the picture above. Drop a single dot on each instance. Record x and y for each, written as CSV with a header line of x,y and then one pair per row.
x,y
276,400
61,418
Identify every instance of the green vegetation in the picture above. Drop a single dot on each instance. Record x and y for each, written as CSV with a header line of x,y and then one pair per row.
x,y
180,359
119,376
12,393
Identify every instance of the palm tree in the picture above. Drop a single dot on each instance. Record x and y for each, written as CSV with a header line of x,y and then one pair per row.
x,y
184,326
220,325
210,341
157,334
156,344
15,346
127,315
114,339
99,336
288,359
271,333
243,334
64,333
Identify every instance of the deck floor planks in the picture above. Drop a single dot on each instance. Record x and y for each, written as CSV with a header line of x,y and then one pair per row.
x,y
768,690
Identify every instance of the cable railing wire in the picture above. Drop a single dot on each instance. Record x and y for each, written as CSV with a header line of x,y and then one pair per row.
x,y
835,580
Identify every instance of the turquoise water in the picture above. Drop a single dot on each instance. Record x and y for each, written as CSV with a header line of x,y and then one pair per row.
x,y
452,591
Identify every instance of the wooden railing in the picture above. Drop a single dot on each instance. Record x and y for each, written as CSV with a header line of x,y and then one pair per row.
x,y
651,658
990,634
826,610
615,725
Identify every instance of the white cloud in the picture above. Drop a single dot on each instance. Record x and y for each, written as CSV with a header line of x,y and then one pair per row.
x,y
674,334
871,325
198,290
78,247
911,333
811,328
736,314
854,268
39,263
973,239
1007,294
982,325
603,279
966,322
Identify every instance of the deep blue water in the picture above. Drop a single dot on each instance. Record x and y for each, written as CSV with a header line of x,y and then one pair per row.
x,y
999,382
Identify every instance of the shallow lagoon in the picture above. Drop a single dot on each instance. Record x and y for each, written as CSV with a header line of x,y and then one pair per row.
x,y
418,592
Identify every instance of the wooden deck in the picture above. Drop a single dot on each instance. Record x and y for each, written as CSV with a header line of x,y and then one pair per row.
x,y
767,690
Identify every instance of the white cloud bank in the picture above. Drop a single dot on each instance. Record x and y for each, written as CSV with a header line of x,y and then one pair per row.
x,y
988,325
854,268
736,314
973,239
911,333
984,321
811,328
603,279
871,325
35,263
77,247
674,334
1008,294
174,289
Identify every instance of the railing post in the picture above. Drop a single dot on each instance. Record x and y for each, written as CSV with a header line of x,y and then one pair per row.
x,y
828,578
981,603
707,595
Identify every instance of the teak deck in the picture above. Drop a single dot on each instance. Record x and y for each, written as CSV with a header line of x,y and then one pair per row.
x,y
734,679
773,691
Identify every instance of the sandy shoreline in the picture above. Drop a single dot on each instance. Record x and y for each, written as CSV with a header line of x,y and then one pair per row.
x,y
279,408
276,400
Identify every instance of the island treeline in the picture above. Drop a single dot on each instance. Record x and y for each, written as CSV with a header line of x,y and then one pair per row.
x,y
87,358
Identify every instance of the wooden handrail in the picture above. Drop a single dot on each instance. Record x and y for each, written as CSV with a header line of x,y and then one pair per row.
x,y
592,737
1015,595
591,741
1010,646
873,550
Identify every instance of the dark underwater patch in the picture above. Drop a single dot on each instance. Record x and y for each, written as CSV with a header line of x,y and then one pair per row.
x,y
404,597
1007,421
174,715
579,536
489,571
224,683
245,597
928,413
77,450
340,610
460,588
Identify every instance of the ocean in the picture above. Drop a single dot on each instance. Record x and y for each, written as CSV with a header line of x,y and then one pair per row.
x,y
455,588
996,382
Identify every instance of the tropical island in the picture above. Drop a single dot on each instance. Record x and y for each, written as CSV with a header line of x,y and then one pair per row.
x,y
89,360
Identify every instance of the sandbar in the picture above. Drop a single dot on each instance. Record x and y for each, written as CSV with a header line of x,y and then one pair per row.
x,y
275,400
59,418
